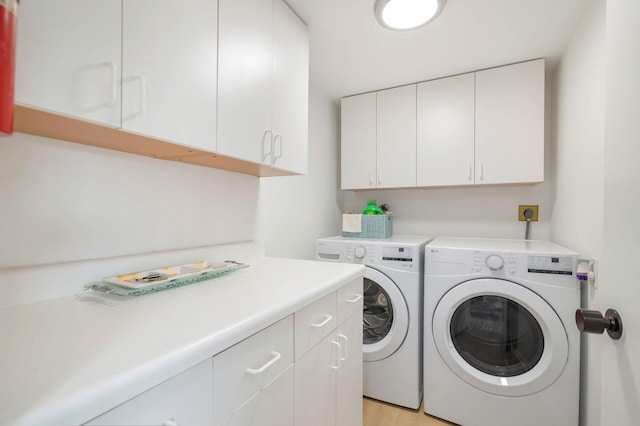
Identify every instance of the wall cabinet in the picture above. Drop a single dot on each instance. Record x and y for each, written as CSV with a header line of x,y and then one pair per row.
x,y
68,58
445,123
485,127
263,83
184,399
141,76
379,139
510,124
169,70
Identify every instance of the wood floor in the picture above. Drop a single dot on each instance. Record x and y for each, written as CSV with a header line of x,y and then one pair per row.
x,y
377,413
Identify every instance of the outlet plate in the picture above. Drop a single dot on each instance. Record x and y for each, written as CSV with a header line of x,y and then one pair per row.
x,y
522,217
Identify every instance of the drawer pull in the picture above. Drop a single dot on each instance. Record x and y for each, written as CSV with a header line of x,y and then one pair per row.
x,y
276,357
337,367
327,318
355,299
346,347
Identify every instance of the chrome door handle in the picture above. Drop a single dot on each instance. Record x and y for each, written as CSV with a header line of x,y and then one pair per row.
x,y
594,322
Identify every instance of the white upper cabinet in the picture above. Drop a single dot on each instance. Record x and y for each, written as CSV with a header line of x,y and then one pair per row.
x,y
358,145
396,134
290,113
479,128
263,83
169,70
245,58
68,58
379,139
446,111
510,124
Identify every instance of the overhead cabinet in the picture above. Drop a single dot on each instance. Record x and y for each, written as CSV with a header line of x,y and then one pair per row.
x,y
263,84
141,76
479,128
379,139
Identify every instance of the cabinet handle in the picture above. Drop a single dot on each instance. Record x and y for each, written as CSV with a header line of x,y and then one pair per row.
x,y
346,347
276,357
370,178
114,84
275,144
170,422
470,175
481,172
327,318
337,367
379,178
355,299
266,154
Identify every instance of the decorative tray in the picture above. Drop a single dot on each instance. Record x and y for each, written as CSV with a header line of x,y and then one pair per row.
x,y
154,280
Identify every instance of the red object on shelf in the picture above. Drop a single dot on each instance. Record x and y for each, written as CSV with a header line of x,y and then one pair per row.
x,y
8,28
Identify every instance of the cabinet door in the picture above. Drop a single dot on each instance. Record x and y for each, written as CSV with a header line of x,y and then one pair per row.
x,y
68,58
315,384
272,406
245,64
349,386
290,114
358,145
169,70
185,399
396,147
446,114
510,124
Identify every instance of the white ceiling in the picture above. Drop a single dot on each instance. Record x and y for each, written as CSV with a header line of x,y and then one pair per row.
x,y
351,53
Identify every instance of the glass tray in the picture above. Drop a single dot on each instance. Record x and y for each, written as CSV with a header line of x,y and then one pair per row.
x,y
106,287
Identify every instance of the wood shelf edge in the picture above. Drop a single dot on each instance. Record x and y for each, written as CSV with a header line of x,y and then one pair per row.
x,y
48,124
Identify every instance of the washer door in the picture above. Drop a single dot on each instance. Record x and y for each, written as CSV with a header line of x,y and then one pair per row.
x,y
500,337
385,316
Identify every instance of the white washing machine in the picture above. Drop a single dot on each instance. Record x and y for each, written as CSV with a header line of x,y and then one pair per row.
x,y
392,317
500,345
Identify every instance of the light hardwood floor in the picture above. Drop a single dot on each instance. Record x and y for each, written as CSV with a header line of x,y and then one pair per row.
x,y
377,413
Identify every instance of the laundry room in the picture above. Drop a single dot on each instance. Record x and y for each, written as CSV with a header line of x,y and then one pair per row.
x,y
121,151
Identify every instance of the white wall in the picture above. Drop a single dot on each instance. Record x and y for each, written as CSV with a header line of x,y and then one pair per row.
x,y
64,202
578,163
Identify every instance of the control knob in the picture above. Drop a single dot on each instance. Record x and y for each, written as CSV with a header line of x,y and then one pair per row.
x,y
360,252
495,262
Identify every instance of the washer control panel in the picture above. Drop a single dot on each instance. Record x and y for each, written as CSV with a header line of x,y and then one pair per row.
x,y
559,265
399,256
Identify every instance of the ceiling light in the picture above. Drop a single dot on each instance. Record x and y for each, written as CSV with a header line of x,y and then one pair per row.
x,y
403,15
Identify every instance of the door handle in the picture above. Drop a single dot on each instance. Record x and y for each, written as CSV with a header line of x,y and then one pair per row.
x,y
594,322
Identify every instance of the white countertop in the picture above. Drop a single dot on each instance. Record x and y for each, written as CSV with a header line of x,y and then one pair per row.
x,y
67,360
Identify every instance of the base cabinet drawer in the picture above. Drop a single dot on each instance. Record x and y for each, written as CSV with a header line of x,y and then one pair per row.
x,y
182,400
273,406
245,370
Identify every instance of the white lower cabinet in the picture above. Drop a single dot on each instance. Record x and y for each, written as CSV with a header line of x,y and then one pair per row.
x,y
304,370
328,385
182,400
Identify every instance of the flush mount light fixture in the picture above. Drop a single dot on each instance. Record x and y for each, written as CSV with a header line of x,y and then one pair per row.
x,y
402,15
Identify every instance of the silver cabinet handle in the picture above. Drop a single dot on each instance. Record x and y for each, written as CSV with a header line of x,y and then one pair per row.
x,y
276,356
355,299
346,347
113,84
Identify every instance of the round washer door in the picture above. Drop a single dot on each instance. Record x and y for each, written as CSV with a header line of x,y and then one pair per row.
x,y
385,316
500,337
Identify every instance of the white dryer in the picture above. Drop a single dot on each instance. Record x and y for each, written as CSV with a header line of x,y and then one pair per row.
x,y
393,315
500,345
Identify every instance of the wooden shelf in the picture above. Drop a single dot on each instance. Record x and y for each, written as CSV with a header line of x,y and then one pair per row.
x,y
56,126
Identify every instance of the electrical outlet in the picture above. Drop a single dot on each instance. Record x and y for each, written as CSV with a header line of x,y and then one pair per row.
x,y
522,209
